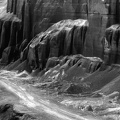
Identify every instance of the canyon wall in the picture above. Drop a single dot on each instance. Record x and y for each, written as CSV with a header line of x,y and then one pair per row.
x,y
32,17
101,14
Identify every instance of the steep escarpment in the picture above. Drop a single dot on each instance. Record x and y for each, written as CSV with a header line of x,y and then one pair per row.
x,y
91,37
36,16
66,37
112,41
100,14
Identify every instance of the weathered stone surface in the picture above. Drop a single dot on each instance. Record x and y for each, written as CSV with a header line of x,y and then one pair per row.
x,y
70,74
8,55
51,11
63,38
100,14
95,34
7,112
46,12
81,75
13,65
103,6
21,8
112,38
23,66
10,37
37,16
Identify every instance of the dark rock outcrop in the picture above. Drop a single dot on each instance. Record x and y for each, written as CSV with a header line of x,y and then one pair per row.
x,y
10,37
7,112
100,14
49,12
66,37
38,15
21,8
15,27
69,74
112,48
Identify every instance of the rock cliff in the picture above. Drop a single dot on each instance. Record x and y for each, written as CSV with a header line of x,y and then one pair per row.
x,y
36,16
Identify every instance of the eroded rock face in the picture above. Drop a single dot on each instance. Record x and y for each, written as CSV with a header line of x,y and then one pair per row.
x,y
7,112
3,5
112,37
48,12
69,74
66,37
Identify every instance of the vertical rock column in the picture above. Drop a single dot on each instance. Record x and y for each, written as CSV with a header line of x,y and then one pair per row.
x,y
101,15
20,8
